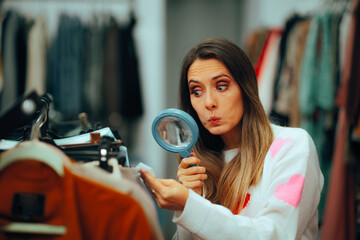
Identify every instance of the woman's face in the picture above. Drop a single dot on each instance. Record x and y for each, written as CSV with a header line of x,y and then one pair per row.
x,y
216,98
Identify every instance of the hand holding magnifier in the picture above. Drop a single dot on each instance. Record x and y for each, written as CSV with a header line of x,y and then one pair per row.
x,y
175,131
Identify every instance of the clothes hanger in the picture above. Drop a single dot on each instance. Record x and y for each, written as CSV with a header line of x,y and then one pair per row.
x,y
19,114
34,150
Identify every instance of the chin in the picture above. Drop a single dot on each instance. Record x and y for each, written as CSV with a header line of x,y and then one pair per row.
x,y
216,130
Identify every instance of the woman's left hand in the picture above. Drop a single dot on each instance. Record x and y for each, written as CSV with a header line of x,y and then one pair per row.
x,y
168,193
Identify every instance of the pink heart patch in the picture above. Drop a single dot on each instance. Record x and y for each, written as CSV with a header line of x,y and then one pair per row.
x,y
291,191
277,144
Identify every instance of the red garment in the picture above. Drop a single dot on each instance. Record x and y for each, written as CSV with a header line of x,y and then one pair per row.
x,y
88,210
260,63
339,215
254,43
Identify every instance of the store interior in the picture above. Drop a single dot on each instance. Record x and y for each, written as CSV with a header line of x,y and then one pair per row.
x,y
115,64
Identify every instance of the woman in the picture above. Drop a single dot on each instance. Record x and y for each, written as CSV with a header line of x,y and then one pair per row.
x,y
254,180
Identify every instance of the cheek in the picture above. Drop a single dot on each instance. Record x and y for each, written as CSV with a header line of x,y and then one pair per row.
x,y
197,108
238,114
235,111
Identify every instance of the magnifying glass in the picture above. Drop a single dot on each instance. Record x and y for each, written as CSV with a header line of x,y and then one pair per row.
x,y
175,131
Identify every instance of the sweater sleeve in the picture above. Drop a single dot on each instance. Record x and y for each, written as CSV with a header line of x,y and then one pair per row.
x,y
289,195
181,234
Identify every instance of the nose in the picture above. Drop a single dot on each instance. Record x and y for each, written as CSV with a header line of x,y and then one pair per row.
x,y
210,101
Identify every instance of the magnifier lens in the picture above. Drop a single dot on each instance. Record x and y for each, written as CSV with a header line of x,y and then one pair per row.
x,y
174,132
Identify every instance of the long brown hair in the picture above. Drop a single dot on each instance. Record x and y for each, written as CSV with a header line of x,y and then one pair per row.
x,y
228,185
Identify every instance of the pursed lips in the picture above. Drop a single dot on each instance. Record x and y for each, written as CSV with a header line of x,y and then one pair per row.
x,y
214,120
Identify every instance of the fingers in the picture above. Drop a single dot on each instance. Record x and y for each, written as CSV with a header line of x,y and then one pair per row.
x,y
188,179
191,174
192,177
186,162
193,185
168,193
153,183
192,170
145,176
153,187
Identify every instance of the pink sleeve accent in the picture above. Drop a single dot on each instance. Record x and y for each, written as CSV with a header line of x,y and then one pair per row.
x,y
290,192
277,144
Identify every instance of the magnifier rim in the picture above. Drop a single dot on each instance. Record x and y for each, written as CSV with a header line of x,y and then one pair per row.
x,y
185,117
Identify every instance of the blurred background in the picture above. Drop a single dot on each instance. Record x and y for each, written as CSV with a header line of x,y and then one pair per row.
x,y
119,62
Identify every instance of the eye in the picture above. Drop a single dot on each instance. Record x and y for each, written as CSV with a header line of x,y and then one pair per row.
x,y
196,92
222,86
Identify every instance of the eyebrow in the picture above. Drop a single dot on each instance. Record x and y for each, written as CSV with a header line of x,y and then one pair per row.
x,y
193,81
219,76
214,78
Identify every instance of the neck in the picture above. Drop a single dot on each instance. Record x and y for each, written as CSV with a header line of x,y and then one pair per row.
x,y
231,139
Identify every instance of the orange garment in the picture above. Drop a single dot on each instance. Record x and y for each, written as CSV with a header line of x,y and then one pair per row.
x,y
88,210
127,184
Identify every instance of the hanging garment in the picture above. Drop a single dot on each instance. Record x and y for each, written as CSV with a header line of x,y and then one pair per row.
x,y
112,72
299,43
260,59
121,86
94,65
130,98
13,58
283,80
353,71
254,43
122,89
2,18
53,195
66,60
285,107
36,54
318,83
339,223
124,182
266,74
343,38
284,41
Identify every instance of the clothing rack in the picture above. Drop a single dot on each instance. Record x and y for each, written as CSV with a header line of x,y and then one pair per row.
x,y
70,196
327,37
99,149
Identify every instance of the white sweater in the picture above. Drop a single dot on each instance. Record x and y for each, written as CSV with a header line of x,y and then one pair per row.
x,y
283,205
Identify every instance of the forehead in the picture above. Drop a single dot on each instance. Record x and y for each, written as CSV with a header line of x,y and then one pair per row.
x,y
206,68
